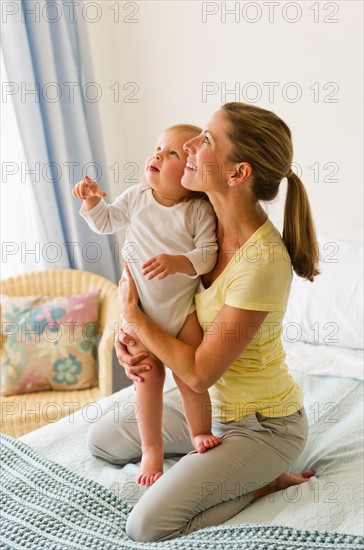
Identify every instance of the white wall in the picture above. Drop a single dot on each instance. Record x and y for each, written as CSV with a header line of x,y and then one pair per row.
x,y
170,52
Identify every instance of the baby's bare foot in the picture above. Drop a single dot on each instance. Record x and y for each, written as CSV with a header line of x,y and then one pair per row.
x,y
204,442
151,467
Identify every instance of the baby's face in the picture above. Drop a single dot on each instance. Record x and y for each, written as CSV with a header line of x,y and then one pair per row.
x,y
164,169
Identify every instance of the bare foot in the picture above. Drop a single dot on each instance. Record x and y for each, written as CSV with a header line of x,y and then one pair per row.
x,y
204,442
151,467
282,482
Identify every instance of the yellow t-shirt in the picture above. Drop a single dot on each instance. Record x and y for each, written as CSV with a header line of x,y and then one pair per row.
x,y
259,278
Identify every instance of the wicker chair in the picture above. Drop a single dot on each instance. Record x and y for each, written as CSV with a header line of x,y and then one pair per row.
x,y
23,413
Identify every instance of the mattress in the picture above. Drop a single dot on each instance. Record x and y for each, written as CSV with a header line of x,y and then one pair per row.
x,y
329,501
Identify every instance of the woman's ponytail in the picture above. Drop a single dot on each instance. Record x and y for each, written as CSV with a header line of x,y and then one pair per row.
x,y
264,140
298,230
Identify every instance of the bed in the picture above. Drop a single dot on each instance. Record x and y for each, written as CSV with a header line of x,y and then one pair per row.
x,y
56,495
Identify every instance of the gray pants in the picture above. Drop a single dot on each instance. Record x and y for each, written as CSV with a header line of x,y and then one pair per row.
x,y
206,489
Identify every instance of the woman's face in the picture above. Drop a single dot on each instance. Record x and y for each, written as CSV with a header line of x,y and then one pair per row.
x,y
208,166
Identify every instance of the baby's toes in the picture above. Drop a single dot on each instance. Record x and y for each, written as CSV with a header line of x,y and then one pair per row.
x,y
157,476
214,441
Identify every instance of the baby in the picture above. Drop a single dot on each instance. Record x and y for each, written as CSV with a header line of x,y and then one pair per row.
x,y
170,237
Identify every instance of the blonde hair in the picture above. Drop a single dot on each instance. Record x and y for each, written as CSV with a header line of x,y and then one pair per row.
x,y
263,140
185,128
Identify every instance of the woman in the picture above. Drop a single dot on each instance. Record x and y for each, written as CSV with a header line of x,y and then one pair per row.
x,y
257,407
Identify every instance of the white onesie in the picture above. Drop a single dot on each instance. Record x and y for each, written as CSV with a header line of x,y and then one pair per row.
x,y
187,228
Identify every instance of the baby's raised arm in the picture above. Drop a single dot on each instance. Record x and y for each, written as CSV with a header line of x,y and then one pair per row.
x,y
88,191
103,218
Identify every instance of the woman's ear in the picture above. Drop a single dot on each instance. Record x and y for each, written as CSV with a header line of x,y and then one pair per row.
x,y
242,172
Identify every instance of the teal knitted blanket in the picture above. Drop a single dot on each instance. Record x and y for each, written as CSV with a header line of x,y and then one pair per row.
x,y
46,507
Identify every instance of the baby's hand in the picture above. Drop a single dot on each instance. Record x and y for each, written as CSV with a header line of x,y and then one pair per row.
x,y
87,188
161,265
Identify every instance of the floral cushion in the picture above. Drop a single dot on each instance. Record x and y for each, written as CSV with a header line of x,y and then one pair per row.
x,y
48,342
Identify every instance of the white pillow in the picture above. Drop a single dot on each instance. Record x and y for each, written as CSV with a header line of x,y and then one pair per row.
x,y
330,310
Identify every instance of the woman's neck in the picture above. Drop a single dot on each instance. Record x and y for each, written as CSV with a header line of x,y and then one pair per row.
x,y
237,218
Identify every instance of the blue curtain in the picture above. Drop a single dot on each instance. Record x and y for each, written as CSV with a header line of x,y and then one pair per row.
x,y
40,49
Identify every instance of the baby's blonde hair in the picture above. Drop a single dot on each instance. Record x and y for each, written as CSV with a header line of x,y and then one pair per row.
x,y
185,128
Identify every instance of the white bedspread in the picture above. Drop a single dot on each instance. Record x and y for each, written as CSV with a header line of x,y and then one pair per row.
x,y
332,500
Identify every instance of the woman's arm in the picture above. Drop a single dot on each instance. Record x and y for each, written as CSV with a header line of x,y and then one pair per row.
x,y
224,340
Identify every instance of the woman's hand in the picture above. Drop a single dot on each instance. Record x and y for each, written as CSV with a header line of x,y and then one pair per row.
x,y
127,293
128,299
130,362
